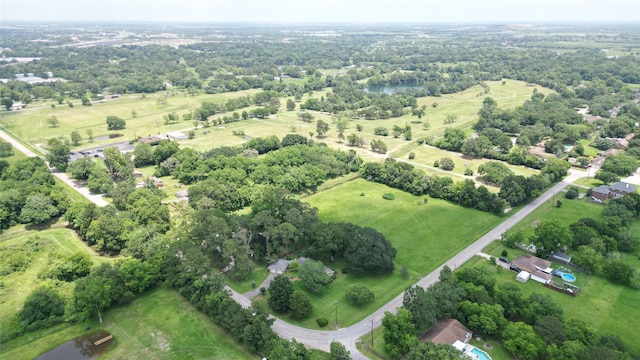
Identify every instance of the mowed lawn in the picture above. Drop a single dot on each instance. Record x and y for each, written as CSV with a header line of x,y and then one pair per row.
x,y
570,212
425,235
604,306
160,324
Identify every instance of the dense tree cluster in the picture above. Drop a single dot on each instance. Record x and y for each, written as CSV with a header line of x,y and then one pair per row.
x,y
405,177
28,194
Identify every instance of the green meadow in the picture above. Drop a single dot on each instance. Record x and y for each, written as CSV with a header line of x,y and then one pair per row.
x,y
159,324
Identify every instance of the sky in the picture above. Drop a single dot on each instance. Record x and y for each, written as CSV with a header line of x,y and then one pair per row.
x,y
314,11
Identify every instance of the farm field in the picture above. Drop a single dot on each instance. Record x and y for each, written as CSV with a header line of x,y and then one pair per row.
x,y
159,324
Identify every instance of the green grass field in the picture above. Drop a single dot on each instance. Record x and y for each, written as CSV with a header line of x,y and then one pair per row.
x,y
159,324
31,124
424,235
53,243
570,212
433,227
385,287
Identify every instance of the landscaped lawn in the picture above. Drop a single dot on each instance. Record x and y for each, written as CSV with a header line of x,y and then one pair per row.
x,y
160,324
604,306
570,212
385,287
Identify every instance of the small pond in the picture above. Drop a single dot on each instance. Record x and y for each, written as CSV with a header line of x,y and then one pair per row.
x,y
80,348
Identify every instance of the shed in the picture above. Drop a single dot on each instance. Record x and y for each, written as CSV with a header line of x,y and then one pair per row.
x,y
523,276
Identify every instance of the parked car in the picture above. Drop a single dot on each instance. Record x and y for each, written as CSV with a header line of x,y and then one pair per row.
x,y
504,260
514,268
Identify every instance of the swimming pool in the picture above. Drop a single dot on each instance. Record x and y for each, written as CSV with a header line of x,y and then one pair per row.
x,y
480,354
568,277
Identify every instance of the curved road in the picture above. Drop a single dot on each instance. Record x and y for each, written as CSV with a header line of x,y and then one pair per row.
x,y
83,190
348,336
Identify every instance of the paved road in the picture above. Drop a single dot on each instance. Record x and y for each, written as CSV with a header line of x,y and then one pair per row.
x,y
96,199
319,339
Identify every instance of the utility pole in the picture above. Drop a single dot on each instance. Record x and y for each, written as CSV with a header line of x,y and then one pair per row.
x,y
372,333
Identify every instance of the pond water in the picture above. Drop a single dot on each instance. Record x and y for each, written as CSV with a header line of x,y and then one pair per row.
x,y
390,89
80,348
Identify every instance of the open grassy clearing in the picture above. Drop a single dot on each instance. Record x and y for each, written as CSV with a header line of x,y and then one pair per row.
x,y
257,276
434,226
589,150
159,324
570,212
427,155
31,123
605,307
51,244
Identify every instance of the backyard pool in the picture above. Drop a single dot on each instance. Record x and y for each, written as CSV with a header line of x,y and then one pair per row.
x,y
568,277
481,355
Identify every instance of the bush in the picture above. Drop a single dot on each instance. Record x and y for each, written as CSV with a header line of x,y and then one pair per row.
x,y
447,164
382,131
322,322
504,253
263,290
388,196
359,295
436,163
572,193
468,172
412,155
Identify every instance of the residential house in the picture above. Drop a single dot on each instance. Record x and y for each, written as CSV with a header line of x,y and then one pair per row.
x,y
280,266
539,269
615,190
449,332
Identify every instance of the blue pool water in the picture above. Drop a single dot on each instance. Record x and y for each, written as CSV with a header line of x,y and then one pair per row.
x,y
480,354
568,277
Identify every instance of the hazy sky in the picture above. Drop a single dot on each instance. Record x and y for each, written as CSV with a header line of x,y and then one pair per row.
x,y
323,10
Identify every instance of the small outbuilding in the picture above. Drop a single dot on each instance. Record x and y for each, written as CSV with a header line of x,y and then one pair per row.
x,y
523,276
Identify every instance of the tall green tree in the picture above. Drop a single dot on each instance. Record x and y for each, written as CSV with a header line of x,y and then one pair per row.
x,y
314,277
399,333
280,291
521,340
58,155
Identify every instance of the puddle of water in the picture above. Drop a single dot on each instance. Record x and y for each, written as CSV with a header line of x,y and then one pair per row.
x,y
80,348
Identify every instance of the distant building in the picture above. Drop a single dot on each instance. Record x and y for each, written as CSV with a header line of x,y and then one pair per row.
x,y
448,332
